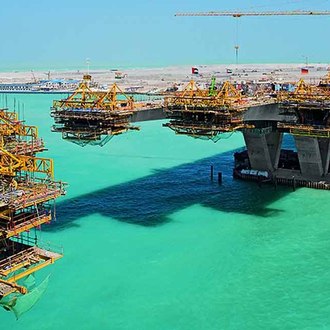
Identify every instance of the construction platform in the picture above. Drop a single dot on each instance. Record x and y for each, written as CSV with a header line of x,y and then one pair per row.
x,y
93,117
205,113
19,260
27,193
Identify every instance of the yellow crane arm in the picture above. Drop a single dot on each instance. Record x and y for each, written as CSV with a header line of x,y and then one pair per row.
x,y
10,164
9,124
110,99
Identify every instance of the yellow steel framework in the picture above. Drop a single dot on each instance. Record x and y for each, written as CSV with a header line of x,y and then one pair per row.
x,y
22,264
12,164
24,223
311,105
9,124
305,130
31,193
23,147
229,95
17,138
193,97
93,117
23,202
9,287
197,113
86,98
305,94
325,81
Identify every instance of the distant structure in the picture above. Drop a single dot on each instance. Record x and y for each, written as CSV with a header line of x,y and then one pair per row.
x,y
41,86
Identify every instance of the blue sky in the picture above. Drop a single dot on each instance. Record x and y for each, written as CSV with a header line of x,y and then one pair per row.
x,y
63,33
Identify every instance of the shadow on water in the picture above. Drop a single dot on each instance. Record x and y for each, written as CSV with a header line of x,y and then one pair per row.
x,y
150,200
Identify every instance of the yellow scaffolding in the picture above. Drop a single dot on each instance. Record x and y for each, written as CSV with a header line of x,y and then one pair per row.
x,y
192,97
21,264
12,164
311,106
199,113
9,124
86,98
24,202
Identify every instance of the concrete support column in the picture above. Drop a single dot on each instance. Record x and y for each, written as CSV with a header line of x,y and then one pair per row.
x,y
309,154
324,145
274,143
263,149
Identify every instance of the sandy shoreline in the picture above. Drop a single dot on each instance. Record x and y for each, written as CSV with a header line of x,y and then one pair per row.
x,y
159,79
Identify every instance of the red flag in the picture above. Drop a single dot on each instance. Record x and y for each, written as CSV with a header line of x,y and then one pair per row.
x,y
194,70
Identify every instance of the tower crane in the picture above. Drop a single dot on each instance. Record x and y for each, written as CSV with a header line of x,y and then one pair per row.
x,y
238,14
258,13
34,77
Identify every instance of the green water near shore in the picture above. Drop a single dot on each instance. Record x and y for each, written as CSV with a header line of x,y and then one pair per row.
x,y
151,243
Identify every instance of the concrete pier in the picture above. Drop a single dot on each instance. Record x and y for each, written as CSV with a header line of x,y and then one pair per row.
x,y
264,146
309,155
263,149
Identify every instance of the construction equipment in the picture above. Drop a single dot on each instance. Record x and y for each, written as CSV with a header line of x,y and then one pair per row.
x,y
213,87
325,81
311,107
238,14
206,113
48,75
34,79
27,187
93,117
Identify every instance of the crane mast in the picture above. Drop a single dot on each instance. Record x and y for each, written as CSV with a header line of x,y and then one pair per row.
x,y
238,14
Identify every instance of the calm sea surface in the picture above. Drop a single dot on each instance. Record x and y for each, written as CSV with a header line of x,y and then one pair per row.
x,y
150,243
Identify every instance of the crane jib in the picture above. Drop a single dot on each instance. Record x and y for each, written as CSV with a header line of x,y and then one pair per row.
x,y
261,13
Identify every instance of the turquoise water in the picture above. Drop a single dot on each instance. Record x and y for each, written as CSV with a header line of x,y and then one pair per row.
x,y
151,243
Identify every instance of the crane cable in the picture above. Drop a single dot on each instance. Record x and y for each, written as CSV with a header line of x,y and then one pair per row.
x,y
236,41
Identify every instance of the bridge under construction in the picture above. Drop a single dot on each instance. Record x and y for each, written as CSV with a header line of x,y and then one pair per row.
x,y
262,116
303,113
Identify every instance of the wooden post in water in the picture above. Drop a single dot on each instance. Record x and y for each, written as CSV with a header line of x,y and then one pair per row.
x,y
293,183
219,177
212,170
